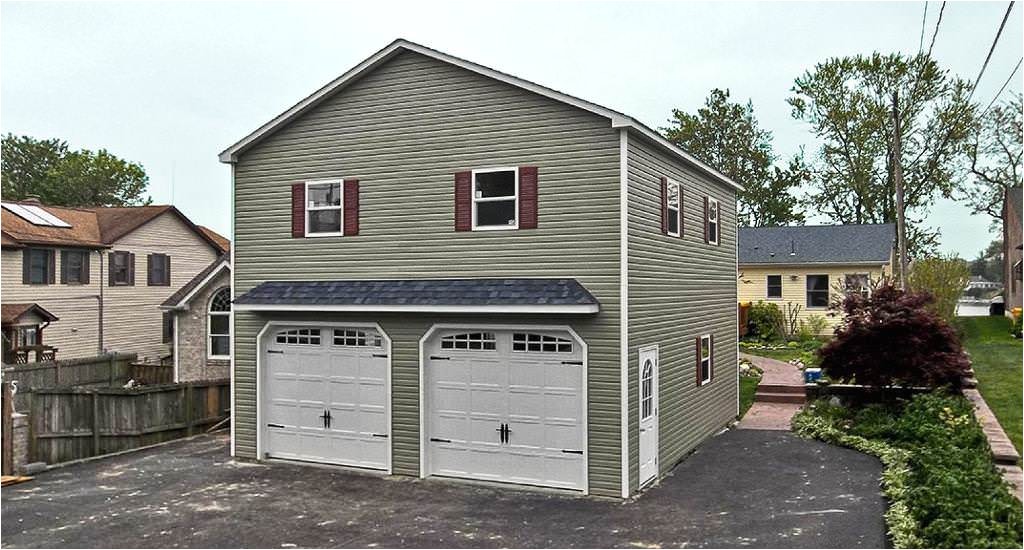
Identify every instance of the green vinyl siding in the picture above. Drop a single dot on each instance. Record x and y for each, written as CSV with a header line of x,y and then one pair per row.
x,y
679,288
404,130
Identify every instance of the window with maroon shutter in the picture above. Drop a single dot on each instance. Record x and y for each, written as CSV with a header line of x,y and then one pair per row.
x,y
712,226
463,201
705,361
324,208
121,268
664,205
298,210
37,266
351,203
671,211
495,200
527,197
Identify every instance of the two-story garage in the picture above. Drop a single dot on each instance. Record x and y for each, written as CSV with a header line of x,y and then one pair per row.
x,y
444,270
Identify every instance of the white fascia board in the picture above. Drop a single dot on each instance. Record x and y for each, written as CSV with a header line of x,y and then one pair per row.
x,y
183,303
541,309
816,264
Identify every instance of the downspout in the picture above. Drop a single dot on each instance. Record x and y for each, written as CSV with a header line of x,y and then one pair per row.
x,y
99,298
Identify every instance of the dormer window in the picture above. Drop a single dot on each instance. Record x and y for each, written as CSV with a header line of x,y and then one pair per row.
x,y
496,199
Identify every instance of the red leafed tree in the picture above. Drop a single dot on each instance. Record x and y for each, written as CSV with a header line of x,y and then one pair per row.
x,y
892,339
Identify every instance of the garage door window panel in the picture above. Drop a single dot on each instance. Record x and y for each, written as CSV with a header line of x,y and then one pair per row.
x,y
356,338
529,341
299,337
481,341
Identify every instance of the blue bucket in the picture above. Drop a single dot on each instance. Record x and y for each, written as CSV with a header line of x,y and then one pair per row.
x,y
812,375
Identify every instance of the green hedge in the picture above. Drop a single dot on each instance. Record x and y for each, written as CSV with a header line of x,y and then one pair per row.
x,y
943,488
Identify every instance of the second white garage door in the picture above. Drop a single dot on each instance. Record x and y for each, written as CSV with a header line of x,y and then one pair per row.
x,y
506,405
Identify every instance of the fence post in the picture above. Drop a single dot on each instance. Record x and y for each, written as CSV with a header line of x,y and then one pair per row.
x,y
95,424
32,419
188,408
56,373
110,369
8,430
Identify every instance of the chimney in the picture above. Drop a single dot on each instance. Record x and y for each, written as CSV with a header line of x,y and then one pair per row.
x,y
32,199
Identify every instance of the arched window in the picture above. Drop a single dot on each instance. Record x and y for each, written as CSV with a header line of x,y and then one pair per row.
x,y
218,326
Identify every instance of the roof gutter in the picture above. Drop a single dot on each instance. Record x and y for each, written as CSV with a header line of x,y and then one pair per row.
x,y
569,309
803,264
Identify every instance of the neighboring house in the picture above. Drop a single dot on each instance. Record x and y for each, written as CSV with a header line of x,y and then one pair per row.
x,y
101,273
1012,245
201,330
809,266
444,270
977,282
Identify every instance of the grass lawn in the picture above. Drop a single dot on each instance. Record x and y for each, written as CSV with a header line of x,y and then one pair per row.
x,y
748,385
805,352
997,365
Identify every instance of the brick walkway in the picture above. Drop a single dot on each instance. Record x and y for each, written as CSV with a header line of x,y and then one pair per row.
x,y
1003,451
780,394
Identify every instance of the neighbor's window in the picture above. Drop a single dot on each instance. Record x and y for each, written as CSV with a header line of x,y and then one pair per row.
x,y
858,283
713,225
75,266
219,325
672,205
496,198
159,270
774,286
37,261
817,291
323,208
27,336
705,359
121,268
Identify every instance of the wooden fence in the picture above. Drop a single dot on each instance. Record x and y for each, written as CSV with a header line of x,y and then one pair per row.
x,y
73,423
112,369
148,373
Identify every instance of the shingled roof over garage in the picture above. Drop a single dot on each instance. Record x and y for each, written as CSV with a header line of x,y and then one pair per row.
x,y
518,295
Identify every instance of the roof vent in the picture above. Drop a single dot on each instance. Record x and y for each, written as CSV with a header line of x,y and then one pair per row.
x,y
792,247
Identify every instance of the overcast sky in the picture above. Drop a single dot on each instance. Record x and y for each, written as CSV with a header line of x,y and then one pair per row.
x,y
170,85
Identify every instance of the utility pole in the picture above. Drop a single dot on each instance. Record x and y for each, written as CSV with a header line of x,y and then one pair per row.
x,y
897,176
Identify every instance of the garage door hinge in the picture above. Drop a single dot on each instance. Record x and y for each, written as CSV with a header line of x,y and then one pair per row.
x,y
439,358
572,451
379,435
274,351
572,362
439,440
380,355
274,426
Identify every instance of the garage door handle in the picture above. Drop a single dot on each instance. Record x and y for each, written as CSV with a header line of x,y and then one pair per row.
x,y
572,451
275,426
439,440
572,362
439,358
379,435
274,351
380,355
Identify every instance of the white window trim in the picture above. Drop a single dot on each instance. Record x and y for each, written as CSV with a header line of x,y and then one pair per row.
x,y
340,208
709,358
866,290
767,285
209,334
678,209
475,199
717,209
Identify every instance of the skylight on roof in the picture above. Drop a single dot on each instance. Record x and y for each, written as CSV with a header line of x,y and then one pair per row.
x,y
35,215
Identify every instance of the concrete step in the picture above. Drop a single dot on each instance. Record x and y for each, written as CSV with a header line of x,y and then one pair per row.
x,y
775,397
781,388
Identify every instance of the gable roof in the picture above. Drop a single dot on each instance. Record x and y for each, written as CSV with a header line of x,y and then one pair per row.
x,y
91,227
9,313
617,119
816,244
181,297
221,240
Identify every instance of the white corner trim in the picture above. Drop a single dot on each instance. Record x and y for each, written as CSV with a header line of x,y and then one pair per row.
x,y
183,303
617,119
624,306
231,317
412,308
177,350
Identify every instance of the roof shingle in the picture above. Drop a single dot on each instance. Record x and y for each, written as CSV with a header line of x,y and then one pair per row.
x,y
815,244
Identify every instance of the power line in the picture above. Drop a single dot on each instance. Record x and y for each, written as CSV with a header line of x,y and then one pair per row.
x,y
936,31
1005,84
990,50
924,19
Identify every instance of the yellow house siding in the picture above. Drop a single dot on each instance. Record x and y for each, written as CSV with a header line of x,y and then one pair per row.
x,y
752,285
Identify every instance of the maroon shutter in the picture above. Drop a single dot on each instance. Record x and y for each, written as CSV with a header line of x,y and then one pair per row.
x,y
527,197
664,205
711,351
131,268
149,270
110,269
86,258
26,266
167,271
706,220
53,266
298,210
698,360
463,201
351,222
64,267
682,217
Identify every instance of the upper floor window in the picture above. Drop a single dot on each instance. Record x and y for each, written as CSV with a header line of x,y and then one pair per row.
x,y
774,286
858,283
122,268
38,266
712,223
323,208
496,198
74,267
219,325
673,211
158,270
705,361
817,291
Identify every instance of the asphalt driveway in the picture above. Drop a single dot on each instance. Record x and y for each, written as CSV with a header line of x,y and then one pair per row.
x,y
743,488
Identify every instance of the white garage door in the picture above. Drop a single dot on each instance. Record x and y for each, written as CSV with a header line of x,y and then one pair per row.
x,y
325,395
506,405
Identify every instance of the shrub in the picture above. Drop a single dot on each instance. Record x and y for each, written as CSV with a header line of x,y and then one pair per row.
x,y
944,277
892,338
812,327
764,320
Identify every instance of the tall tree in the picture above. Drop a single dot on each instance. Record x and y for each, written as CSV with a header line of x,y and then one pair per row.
x,y
59,176
726,136
848,103
995,155
989,262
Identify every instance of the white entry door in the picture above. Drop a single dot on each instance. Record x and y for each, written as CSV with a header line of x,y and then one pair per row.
x,y
506,405
648,414
325,395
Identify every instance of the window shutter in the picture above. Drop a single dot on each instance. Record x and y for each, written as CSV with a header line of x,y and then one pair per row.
x,y
86,258
463,201
711,349
110,269
298,210
527,197
664,205
706,219
351,214
26,263
698,361
167,271
149,270
63,267
131,269
52,272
